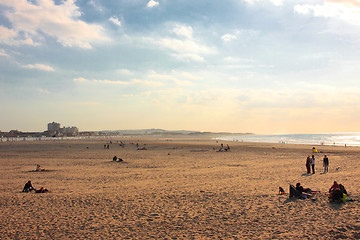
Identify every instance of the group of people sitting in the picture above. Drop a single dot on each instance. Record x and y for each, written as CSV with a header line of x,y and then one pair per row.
x,y
224,149
29,187
337,192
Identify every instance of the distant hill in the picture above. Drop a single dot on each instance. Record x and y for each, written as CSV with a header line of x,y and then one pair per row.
x,y
154,131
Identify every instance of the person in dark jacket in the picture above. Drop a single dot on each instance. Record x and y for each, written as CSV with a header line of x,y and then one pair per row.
x,y
326,164
28,187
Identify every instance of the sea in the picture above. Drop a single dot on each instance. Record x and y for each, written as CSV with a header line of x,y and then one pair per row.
x,y
335,139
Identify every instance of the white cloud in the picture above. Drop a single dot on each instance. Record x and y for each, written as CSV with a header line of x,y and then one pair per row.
x,y
3,53
115,21
40,67
173,79
182,30
152,3
228,37
186,49
348,11
6,33
31,22
111,82
146,83
125,72
274,2
44,91
80,79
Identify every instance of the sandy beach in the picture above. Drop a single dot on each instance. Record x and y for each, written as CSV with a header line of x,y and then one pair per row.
x,y
176,189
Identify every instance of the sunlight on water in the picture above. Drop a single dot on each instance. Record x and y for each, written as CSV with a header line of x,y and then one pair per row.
x,y
337,139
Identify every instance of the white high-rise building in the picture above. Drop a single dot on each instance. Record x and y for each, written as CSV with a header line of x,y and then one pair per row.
x,y
53,127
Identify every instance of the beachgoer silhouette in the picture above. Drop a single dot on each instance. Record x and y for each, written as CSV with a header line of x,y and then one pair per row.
x,y
313,164
308,163
28,187
326,164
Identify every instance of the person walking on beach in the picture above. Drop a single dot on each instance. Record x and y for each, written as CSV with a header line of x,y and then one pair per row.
x,y
313,164
308,163
326,164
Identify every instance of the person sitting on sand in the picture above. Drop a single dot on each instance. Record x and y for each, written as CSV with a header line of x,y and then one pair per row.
x,y
28,187
41,190
336,191
114,158
38,168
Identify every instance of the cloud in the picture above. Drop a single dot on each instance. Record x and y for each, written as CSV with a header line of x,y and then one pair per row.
x,y
348,11
152,4
84,80
146,83
125,72
182,30
274,2
40,67
80,79
228,37
186,47
31,22
115,21
3,53
111,82
44,91
173,79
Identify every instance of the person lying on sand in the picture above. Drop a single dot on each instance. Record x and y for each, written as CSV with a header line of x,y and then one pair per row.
x,y
28,187
305,191
41,190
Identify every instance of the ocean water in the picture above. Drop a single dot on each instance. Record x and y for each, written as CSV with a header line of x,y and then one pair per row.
x,y
337,139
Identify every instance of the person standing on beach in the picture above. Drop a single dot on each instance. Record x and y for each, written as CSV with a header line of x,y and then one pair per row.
x,y
308,163
313,164
326,164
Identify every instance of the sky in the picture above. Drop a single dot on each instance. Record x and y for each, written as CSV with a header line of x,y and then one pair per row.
x,y
259,66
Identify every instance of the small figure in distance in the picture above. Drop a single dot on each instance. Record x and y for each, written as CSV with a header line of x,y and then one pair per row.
x,y
120,160
28,187
114,158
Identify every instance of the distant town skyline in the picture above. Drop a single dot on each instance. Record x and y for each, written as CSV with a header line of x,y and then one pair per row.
x,y
260,66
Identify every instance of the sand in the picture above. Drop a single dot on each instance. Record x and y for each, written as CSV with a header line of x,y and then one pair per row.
x,y
176,189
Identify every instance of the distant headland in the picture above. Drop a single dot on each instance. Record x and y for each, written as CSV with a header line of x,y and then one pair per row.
x,y
54,129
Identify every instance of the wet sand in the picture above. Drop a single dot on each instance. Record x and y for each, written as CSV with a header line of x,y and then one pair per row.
x,y
178,189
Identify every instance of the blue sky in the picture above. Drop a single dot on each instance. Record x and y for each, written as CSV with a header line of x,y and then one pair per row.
x,y
261,66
